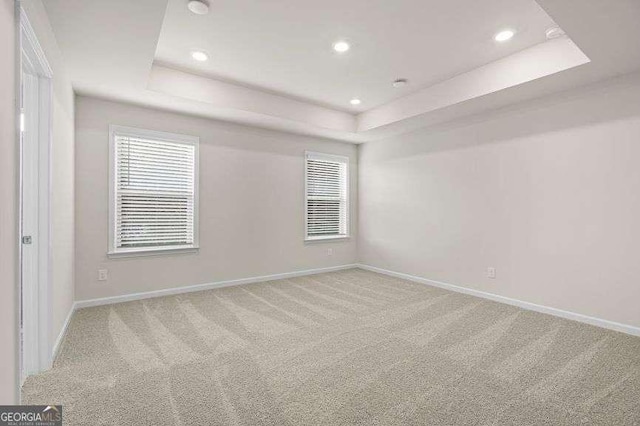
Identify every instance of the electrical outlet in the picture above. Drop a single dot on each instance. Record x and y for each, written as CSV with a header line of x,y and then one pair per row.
x,y
330,252
491,272
103,274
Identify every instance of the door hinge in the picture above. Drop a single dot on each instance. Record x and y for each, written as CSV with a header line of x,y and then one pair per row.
x,y
26,239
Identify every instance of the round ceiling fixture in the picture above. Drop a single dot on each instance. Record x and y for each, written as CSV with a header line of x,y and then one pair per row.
x,y
401,82
341,46
199,55
504,35
355,101
554,32
198,7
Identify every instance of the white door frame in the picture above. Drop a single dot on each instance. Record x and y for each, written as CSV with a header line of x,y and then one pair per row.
x,y
35,297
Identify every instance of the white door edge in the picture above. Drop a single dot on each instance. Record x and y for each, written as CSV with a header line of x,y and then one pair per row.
x,y
36,340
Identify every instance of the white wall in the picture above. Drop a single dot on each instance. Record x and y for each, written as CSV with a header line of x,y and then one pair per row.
x,y
8,208
548,193
251,204
62,172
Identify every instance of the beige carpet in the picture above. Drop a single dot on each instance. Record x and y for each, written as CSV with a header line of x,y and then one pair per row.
x,y
350,347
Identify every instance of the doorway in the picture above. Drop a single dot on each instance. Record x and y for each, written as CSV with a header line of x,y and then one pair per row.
x,y
35,216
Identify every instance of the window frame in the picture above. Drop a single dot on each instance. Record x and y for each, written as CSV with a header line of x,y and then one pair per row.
x,y
117,130
336,158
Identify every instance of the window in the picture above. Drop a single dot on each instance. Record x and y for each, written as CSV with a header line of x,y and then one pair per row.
x,y
326,198
153,203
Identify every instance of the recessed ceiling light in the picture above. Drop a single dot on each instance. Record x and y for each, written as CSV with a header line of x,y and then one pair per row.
x,y
401,82
341,46
504,35
355,101
198,7
199,55
554,32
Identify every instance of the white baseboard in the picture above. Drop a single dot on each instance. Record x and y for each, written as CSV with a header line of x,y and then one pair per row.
x,y
207,286
623,328
65,326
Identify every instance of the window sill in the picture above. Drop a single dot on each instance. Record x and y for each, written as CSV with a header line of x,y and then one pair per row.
x,y
152,252
326,239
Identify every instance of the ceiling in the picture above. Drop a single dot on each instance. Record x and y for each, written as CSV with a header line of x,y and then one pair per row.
x,y
285,46
271,63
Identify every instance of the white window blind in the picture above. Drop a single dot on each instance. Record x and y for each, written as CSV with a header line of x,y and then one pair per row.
x,y
327,201
154,191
